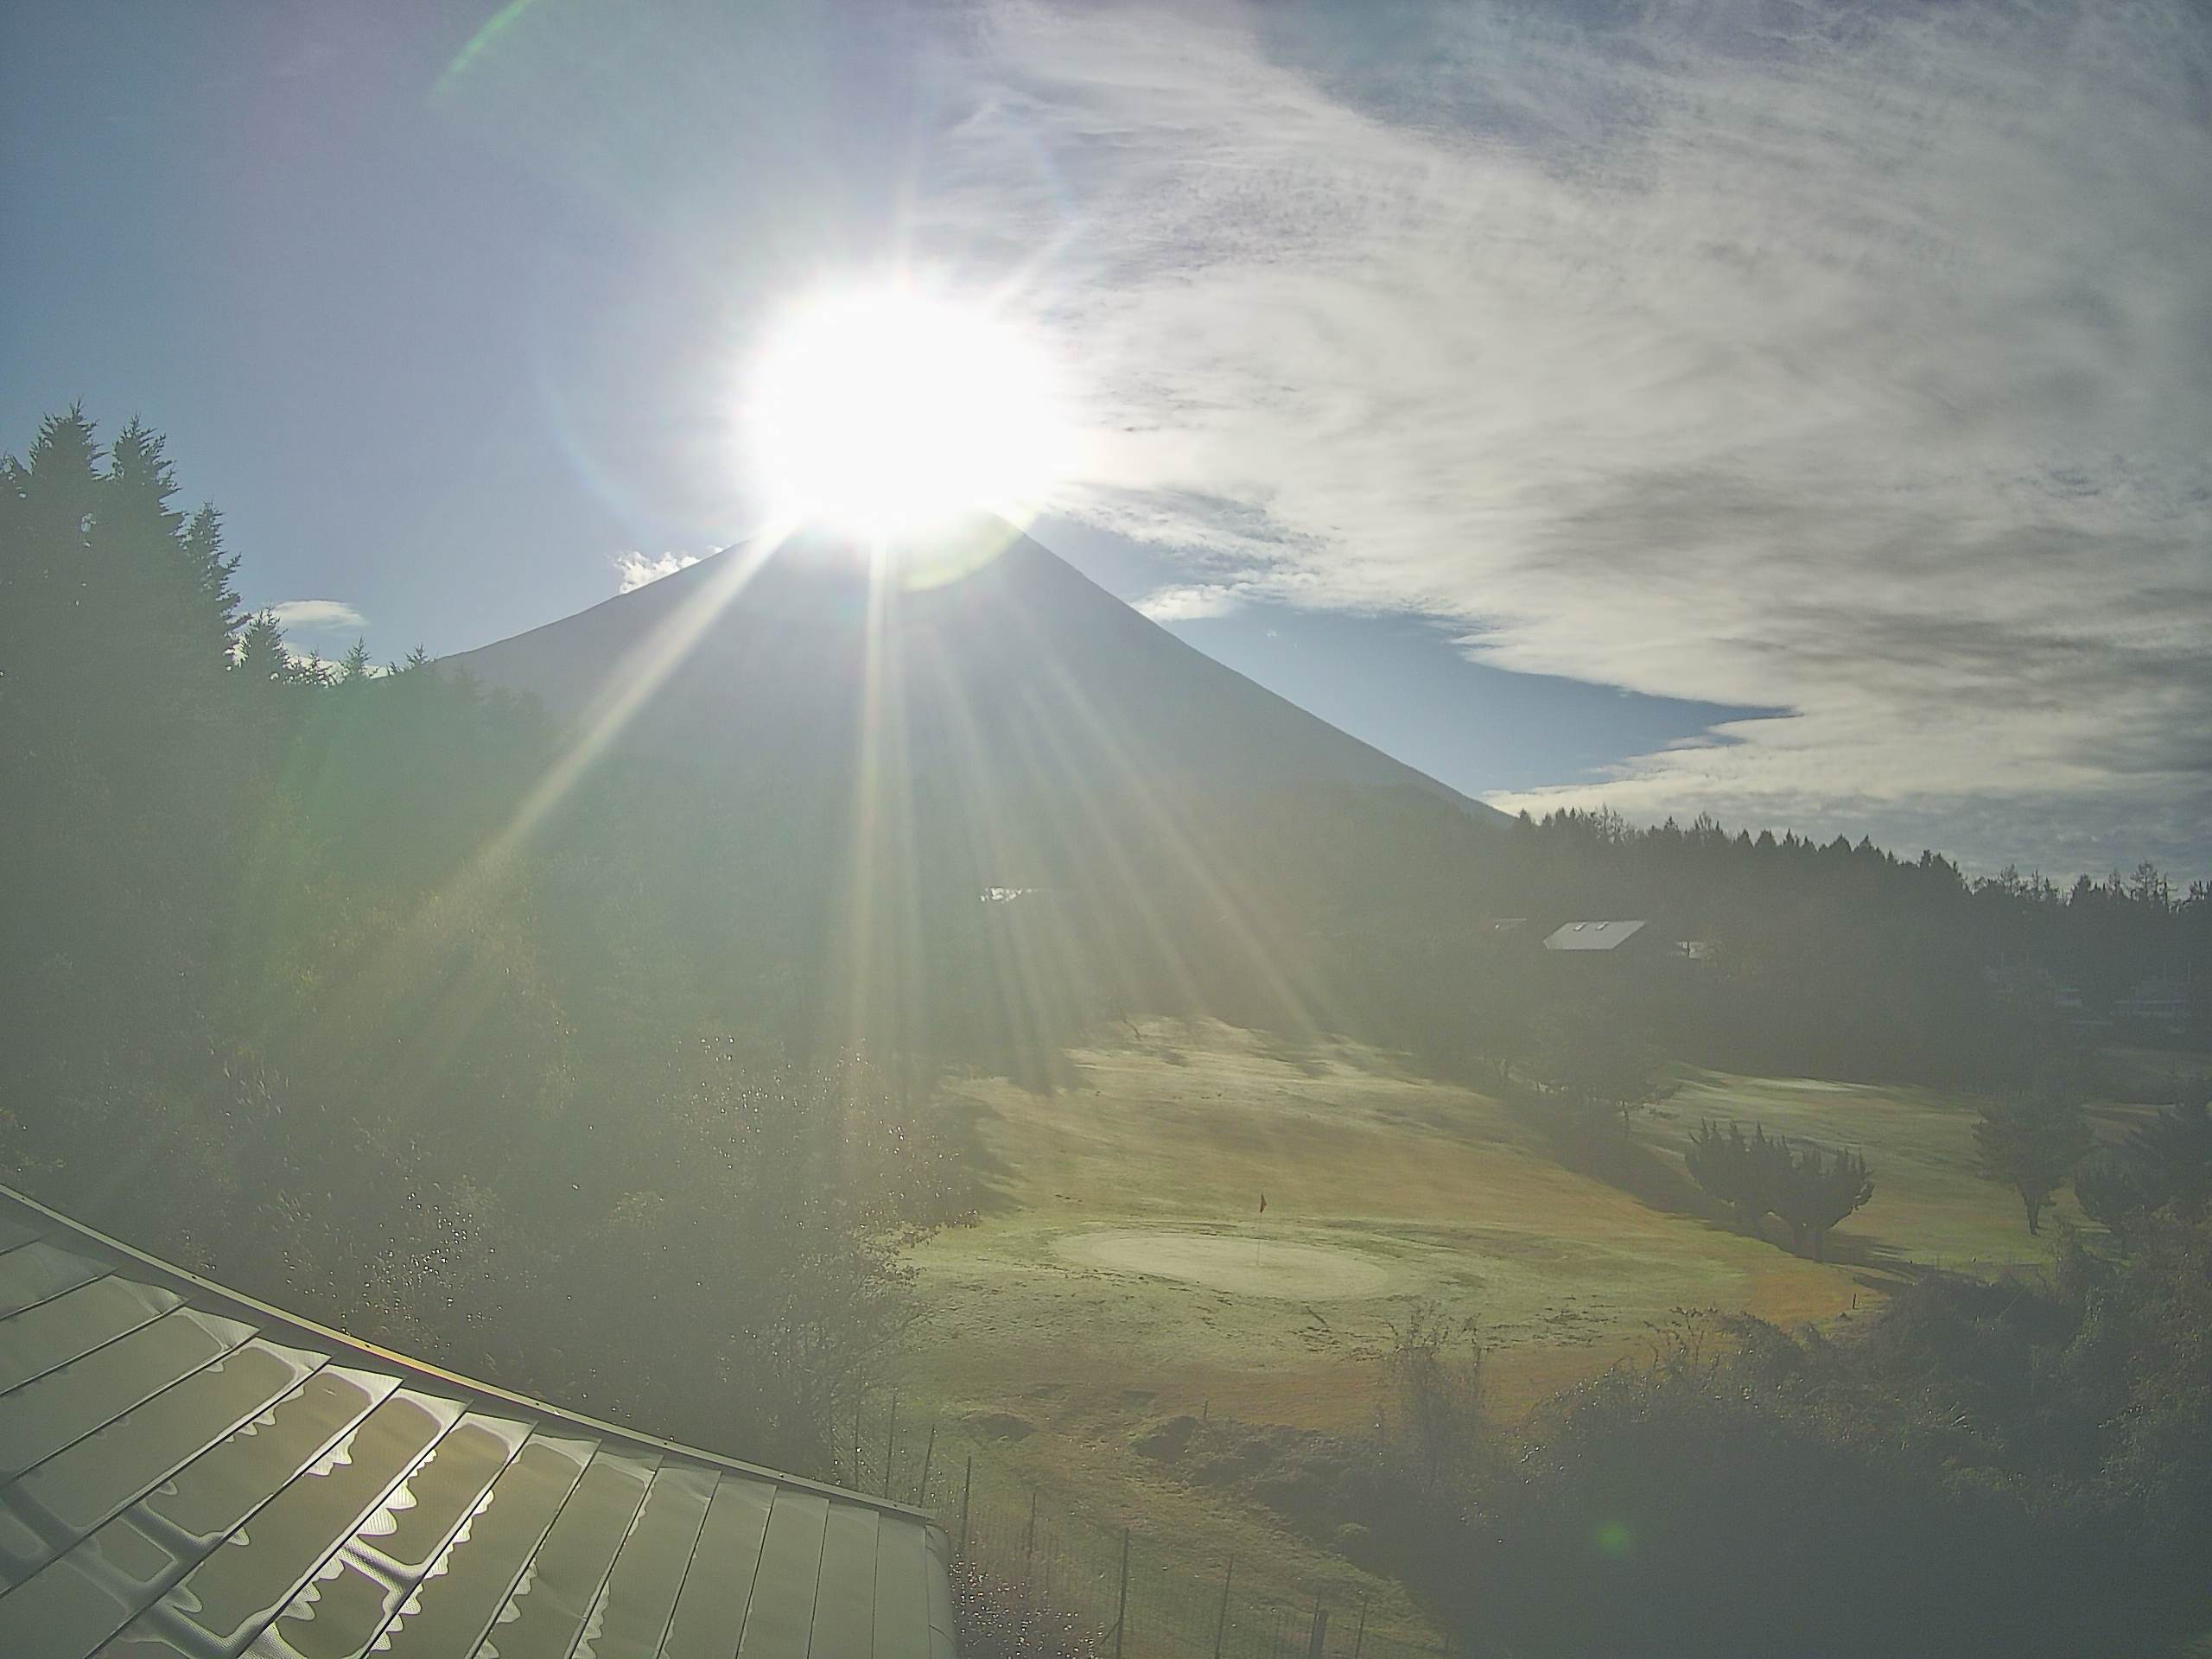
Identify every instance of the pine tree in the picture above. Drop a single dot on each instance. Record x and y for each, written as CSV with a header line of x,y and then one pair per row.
x,y
48,503
261,658
1816,1190
212,570
140,580
1809,1189
1734,1169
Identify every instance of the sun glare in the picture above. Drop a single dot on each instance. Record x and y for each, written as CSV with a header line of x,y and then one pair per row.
x,y
882,411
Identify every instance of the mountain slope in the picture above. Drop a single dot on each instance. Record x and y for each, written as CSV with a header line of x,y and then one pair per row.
x,y
821,771
1015,673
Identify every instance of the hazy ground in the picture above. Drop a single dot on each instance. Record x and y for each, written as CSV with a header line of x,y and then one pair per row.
x,y
1123,1272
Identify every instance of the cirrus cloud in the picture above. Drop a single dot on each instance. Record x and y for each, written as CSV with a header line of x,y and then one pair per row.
x,y
1853,361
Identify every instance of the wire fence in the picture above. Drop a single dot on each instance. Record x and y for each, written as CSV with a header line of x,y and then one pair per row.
x,y
1103,1589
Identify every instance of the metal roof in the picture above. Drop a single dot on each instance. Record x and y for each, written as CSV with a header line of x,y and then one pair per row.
x,y
1592,935
184,1471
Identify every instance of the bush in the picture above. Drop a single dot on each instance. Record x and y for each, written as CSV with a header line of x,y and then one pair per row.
x,y
2023,1467
1430,1424
1810,1189
2114,1192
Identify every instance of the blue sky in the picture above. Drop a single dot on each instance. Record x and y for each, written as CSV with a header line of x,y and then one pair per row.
x,y
1801,414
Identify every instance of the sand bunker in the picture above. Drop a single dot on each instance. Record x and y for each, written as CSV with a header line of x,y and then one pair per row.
x,y
1246,1266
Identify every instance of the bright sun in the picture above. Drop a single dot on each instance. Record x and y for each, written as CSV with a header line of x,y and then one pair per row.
x,y
883,410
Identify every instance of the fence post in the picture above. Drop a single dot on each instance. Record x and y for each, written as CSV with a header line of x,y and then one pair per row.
x,y
1320,1635
966,1481
856,1442
1029,1544
1121,1603
929,1455
1221,1621
1359,1638
890,1442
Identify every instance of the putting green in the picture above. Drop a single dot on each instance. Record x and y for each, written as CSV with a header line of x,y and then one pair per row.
x,y
1244,1267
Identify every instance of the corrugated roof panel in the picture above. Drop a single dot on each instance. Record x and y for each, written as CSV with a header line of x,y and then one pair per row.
x,y
77,1601
781,1618
74,1604
214,1493
710,1610
632,1615
102,1475
340,1612
186,1471
18,1230
76,1322
38,1272
478,1571
545,1615
844,1608
41,1417
902,1605
240,1587
129,1563
944,1642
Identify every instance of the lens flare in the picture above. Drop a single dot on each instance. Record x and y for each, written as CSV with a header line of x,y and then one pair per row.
x,y
887,411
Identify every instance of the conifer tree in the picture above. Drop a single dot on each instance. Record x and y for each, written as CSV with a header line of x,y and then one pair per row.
x,y
261,658
212,569
1816,1190
1733,1169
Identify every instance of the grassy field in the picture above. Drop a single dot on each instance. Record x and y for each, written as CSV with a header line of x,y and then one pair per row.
x,y
1123,1272
1929,1207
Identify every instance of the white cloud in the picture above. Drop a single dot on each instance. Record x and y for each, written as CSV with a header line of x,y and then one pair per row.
x,y
637,569
319,630
313,654
315,616
1859,365
1191,602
